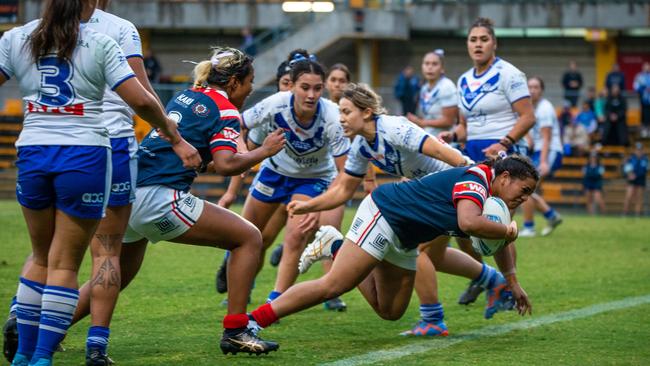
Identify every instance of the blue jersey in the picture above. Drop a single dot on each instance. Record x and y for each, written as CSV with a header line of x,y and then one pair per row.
x,y
638,165
420,210
206,120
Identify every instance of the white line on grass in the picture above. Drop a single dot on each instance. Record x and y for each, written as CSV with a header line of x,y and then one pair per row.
x,y
490,331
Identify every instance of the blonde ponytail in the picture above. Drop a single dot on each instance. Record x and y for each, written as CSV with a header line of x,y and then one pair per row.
x,y
201,73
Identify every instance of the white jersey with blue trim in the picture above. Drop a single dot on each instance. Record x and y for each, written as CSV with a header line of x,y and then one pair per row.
x,y
486,100
63,98
545,117
310,150
397,150
432,100
117,114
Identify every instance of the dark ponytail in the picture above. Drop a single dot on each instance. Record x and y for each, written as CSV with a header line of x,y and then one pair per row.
x,y
519,166
58,30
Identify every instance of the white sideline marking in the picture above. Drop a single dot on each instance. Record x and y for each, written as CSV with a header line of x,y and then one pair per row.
x,y
489,331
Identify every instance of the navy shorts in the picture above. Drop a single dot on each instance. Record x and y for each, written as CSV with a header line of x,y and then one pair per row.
x,y
554,160
125,171
593,185
474,149
272,187
75,179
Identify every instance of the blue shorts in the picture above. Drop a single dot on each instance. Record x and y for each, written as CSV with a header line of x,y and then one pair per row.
x,y
271,187
125,170
474,149
554,160
75,179
593,185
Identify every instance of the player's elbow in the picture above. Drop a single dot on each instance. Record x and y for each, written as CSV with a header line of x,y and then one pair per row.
x,y
467,224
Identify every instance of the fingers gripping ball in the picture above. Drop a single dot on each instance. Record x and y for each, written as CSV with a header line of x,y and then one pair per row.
x,y
495,210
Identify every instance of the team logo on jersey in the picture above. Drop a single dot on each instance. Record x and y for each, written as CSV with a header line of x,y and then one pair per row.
x,y
200,110
184,99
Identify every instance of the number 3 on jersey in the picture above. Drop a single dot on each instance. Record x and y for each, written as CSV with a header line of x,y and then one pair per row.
x,y
56,74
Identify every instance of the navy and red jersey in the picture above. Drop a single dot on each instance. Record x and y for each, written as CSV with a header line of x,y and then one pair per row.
x,y
207,120
420,210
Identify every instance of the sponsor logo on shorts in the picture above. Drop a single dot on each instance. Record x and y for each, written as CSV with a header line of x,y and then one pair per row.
x,y
165,225
92,198
121,187
264,189
190,201
379,242
356,225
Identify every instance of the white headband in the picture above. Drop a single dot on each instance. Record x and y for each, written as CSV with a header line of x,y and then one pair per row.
x,y
215,59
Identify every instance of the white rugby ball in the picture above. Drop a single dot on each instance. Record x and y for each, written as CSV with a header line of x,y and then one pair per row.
x,y
494,209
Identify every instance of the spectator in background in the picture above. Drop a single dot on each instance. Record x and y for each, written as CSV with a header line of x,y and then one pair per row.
x,y
152,66
636,170
593,183
576,139
599,105
587,118
407,89
565,117
615,77
248,42
572,83
615,129
642,86
591,97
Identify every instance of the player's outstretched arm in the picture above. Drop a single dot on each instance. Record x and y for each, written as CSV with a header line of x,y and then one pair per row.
x,y
434,148
338,193
228,163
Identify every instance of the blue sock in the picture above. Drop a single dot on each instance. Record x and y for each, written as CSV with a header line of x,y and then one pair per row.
x,y
98,338
487,278
227,255
432,313
529,224
13,306
59,304
336,245
272,296
550,214
28,301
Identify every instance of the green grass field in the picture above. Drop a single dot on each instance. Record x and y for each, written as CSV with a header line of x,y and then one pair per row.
x,y
171,314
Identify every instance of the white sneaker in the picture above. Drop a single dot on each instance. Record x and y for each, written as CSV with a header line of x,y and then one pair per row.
x,y
552,224
527,233
320,248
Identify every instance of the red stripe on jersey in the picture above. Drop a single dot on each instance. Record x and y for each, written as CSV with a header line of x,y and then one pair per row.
x,y
222,102
471,198
487,173
223,147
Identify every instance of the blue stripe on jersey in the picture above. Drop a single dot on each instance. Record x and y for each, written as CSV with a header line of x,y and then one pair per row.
x,y
297,145
123,80
518,99
471,97
135,55
348,172
424,139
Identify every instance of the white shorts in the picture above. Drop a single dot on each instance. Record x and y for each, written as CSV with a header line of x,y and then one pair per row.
x,y
161,213
373,234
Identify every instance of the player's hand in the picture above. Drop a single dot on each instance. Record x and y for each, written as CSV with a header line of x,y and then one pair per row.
x,y
188,154
512,232
522,302
309,222
446,136
544,169
492,151
227,199
274,142
297,208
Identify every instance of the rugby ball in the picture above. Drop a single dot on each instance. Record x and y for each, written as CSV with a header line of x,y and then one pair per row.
x,y
494,209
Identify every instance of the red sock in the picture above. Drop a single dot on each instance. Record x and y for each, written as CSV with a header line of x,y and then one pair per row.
x,y
234,321
264,315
